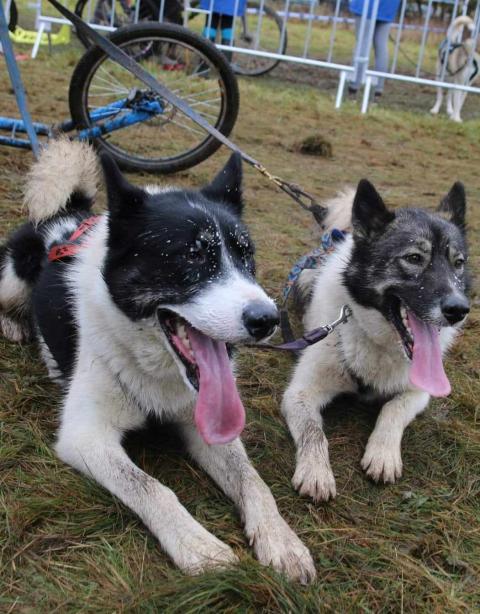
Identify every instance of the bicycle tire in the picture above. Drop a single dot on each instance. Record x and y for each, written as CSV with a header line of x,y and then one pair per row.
x,y
267,64
149,11
13,17
227,83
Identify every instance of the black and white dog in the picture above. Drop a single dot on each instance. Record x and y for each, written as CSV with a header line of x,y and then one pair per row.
x,y
404,275
133,311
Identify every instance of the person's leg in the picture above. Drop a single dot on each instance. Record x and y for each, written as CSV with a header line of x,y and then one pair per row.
x,y
360,50
211,26
380,45
227,34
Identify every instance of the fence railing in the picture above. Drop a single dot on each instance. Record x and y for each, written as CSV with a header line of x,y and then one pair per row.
x,y
323,35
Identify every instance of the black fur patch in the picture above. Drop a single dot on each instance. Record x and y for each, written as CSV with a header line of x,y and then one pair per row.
x,y
78,202
54,315
28,252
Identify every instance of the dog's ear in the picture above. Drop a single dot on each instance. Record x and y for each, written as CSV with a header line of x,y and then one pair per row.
x,y
123,197
226,188
454,205
370,216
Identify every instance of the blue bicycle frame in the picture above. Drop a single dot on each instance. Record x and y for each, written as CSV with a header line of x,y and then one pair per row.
x,y
115,116
122,112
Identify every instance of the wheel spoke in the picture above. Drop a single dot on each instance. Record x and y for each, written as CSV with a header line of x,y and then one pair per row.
x,y
170,135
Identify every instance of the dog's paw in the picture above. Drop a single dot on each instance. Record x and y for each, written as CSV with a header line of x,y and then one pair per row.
x,y
275,544
200,553
434,110
13,330
382,461
314,480
313,474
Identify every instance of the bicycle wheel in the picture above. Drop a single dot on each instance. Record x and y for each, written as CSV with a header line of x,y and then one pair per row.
x,y
167,140
101,14
261,31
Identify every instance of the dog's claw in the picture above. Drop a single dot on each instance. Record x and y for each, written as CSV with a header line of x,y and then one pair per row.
x,y
314,483
276,544
313,474
382,462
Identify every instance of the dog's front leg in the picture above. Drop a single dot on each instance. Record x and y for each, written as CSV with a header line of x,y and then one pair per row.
x,y
314,384
382,460
450,103
273,540
458,100
92,444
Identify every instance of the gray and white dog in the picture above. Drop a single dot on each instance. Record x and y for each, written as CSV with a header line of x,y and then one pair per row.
x,y
134,321
403,273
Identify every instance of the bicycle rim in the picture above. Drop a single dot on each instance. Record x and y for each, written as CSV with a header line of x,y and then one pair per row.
x,y
263,32
169,141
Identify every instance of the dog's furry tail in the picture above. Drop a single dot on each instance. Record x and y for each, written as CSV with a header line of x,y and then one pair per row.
x,y
458,24
339,211
63,179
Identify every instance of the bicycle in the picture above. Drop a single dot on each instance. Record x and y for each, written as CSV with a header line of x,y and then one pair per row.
x,y
261,28
142,131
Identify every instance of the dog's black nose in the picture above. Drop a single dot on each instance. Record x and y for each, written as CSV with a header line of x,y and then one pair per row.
x,y
260,319
455,309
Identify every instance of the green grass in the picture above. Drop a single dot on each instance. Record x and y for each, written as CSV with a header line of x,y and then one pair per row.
x,y
68,546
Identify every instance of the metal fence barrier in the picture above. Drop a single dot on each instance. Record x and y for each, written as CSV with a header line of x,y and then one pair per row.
x,y
322,34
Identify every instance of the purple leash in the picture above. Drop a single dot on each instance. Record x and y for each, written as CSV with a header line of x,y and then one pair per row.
x,y
309,338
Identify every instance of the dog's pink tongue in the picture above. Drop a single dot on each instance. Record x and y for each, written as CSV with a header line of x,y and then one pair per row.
x,y
219,412
427,370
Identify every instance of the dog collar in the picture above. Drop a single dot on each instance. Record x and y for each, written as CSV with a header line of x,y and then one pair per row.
x,y
57,252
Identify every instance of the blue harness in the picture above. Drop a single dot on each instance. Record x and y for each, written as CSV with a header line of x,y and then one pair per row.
x,y
312,260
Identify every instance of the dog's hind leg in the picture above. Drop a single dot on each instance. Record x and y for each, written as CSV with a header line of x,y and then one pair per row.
x,y
90,441
438,103
20,265
382,460
14,294
311,389
273,540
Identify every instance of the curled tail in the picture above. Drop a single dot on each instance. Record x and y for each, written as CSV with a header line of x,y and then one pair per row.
x,y
63,179
457,25
339,211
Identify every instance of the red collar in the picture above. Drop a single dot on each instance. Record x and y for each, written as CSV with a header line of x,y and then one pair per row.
x,y
71,248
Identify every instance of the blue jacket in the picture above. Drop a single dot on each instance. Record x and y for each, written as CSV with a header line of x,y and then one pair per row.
x,y
224,7
387,9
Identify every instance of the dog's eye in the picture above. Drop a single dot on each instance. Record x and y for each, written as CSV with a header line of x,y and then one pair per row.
x,y
197,253
459,262
413,258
